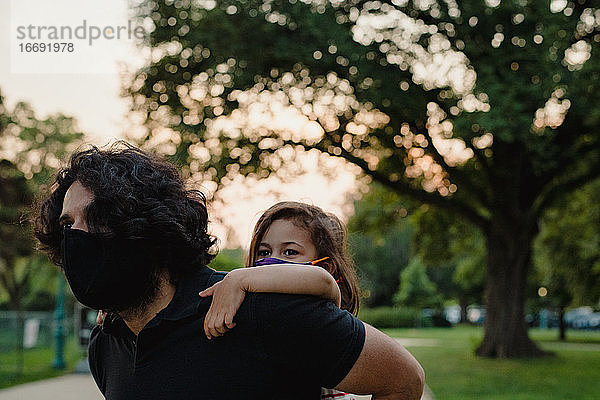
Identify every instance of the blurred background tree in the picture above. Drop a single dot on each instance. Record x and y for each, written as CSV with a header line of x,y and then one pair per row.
x,y
30,152
15,243
380,240
416,289
388,231
481,108
229,259
456,250
567,254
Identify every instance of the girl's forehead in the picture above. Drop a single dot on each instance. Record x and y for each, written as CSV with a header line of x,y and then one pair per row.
x,y
286,228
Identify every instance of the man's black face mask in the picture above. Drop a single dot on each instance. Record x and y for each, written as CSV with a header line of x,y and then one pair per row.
x,y
107,273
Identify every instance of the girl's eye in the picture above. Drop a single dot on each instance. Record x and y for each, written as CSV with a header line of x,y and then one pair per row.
x,y
264,253
290,252
66,225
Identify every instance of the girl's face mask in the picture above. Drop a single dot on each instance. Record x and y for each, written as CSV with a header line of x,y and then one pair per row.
x,y
273,260
107,273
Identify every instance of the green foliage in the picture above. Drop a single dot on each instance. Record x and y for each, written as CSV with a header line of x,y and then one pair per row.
x,y
448,242
416,289
379,239
37,147
387,228
390,317
41,293
15,235
379,211
379,260
567,251
228,259
16,194
40,287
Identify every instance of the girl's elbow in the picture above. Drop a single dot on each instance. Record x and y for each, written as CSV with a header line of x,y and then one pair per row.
x,y
333,289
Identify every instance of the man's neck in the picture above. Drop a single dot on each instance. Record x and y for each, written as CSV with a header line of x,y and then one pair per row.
x,y
138,319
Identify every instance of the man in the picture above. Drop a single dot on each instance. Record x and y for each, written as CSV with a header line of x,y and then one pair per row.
x,y
132,240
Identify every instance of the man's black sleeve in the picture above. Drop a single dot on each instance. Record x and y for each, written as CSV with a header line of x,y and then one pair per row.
x,y
320,341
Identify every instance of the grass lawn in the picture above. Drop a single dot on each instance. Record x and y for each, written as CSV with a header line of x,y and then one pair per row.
x,y
38,364
453,371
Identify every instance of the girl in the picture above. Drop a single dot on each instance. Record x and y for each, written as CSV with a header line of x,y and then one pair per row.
x,y
289,239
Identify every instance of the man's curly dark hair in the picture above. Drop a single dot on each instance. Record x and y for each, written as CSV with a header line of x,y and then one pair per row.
x,y
136,196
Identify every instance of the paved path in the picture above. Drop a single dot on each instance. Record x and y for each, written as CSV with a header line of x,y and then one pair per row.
x,y
66,387
76,387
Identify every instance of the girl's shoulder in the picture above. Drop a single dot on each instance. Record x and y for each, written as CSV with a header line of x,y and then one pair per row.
x,y
332,394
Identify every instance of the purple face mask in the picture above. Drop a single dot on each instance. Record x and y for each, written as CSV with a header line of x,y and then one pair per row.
x,y
273,260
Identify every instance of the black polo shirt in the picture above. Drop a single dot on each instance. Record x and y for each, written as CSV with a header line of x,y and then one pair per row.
x,y
283,347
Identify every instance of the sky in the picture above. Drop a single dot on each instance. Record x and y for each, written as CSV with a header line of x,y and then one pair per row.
x,y
88,88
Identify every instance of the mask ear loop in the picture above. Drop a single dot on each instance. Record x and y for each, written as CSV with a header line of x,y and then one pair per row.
x,y
315,262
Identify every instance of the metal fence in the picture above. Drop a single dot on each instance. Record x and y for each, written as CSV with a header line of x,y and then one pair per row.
x,y
38,330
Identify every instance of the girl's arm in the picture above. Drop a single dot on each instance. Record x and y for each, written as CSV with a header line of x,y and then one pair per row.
x,y
229,293
292,279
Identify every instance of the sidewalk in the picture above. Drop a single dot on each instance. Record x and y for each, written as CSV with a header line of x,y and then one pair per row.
x,y
77,387
66,387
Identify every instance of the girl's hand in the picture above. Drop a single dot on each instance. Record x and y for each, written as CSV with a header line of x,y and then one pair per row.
x,y
100,317
228,295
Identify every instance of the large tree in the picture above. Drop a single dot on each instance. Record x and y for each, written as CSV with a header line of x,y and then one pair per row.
x,y
483,108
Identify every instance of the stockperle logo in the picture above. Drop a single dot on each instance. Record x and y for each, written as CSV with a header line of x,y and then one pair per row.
x,y
72,36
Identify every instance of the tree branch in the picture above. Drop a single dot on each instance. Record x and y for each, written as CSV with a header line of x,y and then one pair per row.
x,y
456,174
482,160
404,188
555,191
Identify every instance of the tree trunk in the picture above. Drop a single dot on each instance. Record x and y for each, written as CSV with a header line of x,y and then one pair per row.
x,y
562,327
464,303
509,254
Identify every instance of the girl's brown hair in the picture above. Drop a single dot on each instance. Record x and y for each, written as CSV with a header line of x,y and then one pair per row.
x,y
328,235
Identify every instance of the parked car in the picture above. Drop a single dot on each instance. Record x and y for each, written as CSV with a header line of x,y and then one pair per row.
x,y
452,314
582,318
543,319
476,314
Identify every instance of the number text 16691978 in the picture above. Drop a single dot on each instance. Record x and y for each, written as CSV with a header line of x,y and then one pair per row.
x,y
57,47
